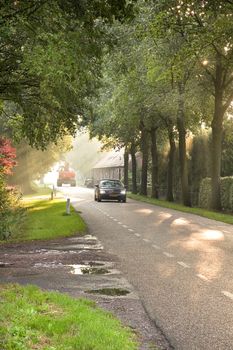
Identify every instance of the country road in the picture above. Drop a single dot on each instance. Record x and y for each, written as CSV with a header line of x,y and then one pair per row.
x,y
180,265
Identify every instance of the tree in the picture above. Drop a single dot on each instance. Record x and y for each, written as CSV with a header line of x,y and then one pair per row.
x,y
7,156
10,212
206,28
164,77
50,61
227,148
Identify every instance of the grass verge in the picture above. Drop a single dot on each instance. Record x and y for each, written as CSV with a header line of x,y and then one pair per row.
x,y
227,218
47,219
32,319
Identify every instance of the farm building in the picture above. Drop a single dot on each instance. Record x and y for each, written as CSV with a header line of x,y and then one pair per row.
x,y
111,166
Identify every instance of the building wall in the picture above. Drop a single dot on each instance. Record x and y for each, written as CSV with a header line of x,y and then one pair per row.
x,y
108,173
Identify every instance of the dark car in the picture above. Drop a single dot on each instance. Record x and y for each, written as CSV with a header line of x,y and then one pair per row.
x,y
110,189
89,183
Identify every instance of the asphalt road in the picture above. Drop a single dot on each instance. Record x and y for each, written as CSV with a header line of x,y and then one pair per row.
x,y
180,264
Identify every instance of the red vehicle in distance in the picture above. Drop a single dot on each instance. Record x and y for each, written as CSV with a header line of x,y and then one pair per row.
x,y
66,175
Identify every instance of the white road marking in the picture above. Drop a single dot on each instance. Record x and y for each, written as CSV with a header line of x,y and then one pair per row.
x,y
155,246
120,223
115,219
125,226
202,277
137,234
181,263
168,255
146,240
111,217
227,294
130,229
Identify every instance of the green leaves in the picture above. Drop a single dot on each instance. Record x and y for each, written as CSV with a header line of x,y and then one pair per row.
x,y
50,57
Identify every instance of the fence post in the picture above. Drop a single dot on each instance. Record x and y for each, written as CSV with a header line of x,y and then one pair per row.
x,y
68,206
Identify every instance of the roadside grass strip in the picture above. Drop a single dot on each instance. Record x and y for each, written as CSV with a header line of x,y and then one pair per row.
x,y
218,216
34,319
47,219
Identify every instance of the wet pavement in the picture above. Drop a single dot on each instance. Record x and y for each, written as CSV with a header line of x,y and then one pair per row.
x,y
81,267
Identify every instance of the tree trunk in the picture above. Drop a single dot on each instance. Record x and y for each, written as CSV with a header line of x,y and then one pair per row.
x,y
182,148
126,169
170,168
144,149
134,168
154,158
217,130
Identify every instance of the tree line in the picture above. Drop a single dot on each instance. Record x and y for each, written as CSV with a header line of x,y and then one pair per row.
x,y
169,76
144,75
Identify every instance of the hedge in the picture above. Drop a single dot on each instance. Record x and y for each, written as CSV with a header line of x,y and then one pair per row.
x,y
226,193
205,193
231,197
11,213
226,184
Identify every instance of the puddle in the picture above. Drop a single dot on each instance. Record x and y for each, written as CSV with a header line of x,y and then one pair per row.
x,y
90,237
109,291
87,242
95,263
88,270
2,264
81,246
45,251
84,239
52,265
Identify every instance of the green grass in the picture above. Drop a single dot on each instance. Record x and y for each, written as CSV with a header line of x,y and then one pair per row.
x,y
218,216
32,319
47,219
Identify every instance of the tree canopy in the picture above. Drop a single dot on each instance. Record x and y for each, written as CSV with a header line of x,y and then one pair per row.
x,y
146,75
50,61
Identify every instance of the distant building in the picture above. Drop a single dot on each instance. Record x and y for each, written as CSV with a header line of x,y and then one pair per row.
x,y
111,166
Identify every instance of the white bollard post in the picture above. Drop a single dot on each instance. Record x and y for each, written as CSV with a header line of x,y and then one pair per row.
x,y
68,206
54,191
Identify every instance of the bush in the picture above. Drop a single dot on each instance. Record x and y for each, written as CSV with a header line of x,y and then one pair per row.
x,y
231,197
226,192
11,213
225,186
205,193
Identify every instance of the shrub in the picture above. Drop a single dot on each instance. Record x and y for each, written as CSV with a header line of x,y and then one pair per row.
x,y
231,197
11,213
225,186
226,193
7,156
205,193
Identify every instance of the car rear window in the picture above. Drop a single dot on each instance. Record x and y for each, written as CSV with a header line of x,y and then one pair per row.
x,y
112,184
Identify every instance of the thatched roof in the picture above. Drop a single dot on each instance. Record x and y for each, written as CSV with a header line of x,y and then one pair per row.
x,y
113,159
